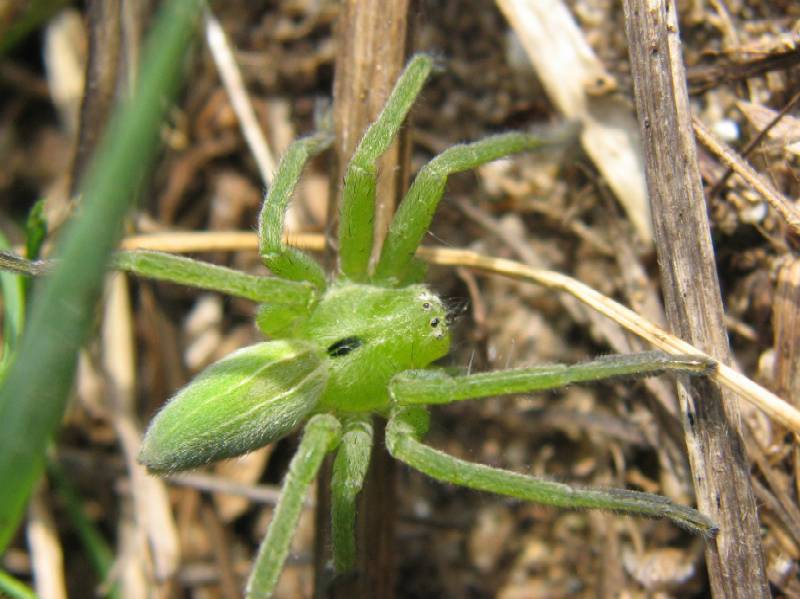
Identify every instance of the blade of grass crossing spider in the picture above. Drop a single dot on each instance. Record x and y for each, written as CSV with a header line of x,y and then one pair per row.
x,y
194,273
426,387
408,425
281,259
356,220
34,394
349,470
416,211
321,435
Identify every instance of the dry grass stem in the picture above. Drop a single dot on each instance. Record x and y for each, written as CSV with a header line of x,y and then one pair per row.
x,y
499,243
47,557
265,494
779,202
153,512
748,389
240,100
556,45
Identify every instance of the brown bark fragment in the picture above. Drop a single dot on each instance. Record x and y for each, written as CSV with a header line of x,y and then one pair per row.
x,y
691,290
372,48
786,323
102,75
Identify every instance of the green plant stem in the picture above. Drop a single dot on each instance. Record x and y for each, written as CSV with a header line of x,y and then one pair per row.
x,y
349,470
408,425
322,434
14,588
34,395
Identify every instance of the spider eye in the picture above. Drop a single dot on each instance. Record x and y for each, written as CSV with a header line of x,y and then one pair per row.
x,y
426,306
435,321
344,346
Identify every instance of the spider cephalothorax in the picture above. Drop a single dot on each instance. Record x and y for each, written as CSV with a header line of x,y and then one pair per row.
x,y
360,344
369,334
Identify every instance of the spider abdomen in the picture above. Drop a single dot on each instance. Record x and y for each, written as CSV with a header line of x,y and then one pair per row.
x,y
250,398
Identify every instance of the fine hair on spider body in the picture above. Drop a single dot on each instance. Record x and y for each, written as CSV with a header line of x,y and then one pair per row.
x,y
360,343
456,308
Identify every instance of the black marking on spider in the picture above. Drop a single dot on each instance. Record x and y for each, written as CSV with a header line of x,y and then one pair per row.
x,y
344,346
456,307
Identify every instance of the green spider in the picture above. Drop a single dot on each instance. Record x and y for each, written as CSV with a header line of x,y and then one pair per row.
x,y
359,345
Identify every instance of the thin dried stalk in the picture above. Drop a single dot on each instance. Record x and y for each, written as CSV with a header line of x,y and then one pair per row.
x,y
710,414
240,100
777,201
372,47
772,405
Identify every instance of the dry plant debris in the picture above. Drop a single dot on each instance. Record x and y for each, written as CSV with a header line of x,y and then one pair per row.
x,y
744,77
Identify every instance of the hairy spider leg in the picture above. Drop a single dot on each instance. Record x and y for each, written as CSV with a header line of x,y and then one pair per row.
x,y
282,260
409,422
356,220
415,213
349,471
320,436
429,387
408,425
203,275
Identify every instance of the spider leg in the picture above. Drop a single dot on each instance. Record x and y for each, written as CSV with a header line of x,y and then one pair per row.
x,y
415,212
358,202
321,435
426,387
407,426
195,273
349,470
285,261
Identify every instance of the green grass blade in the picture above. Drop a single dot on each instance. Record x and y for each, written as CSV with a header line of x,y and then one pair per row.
x,y
11,587
98,550
13,290
35,235
34,394
35,230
